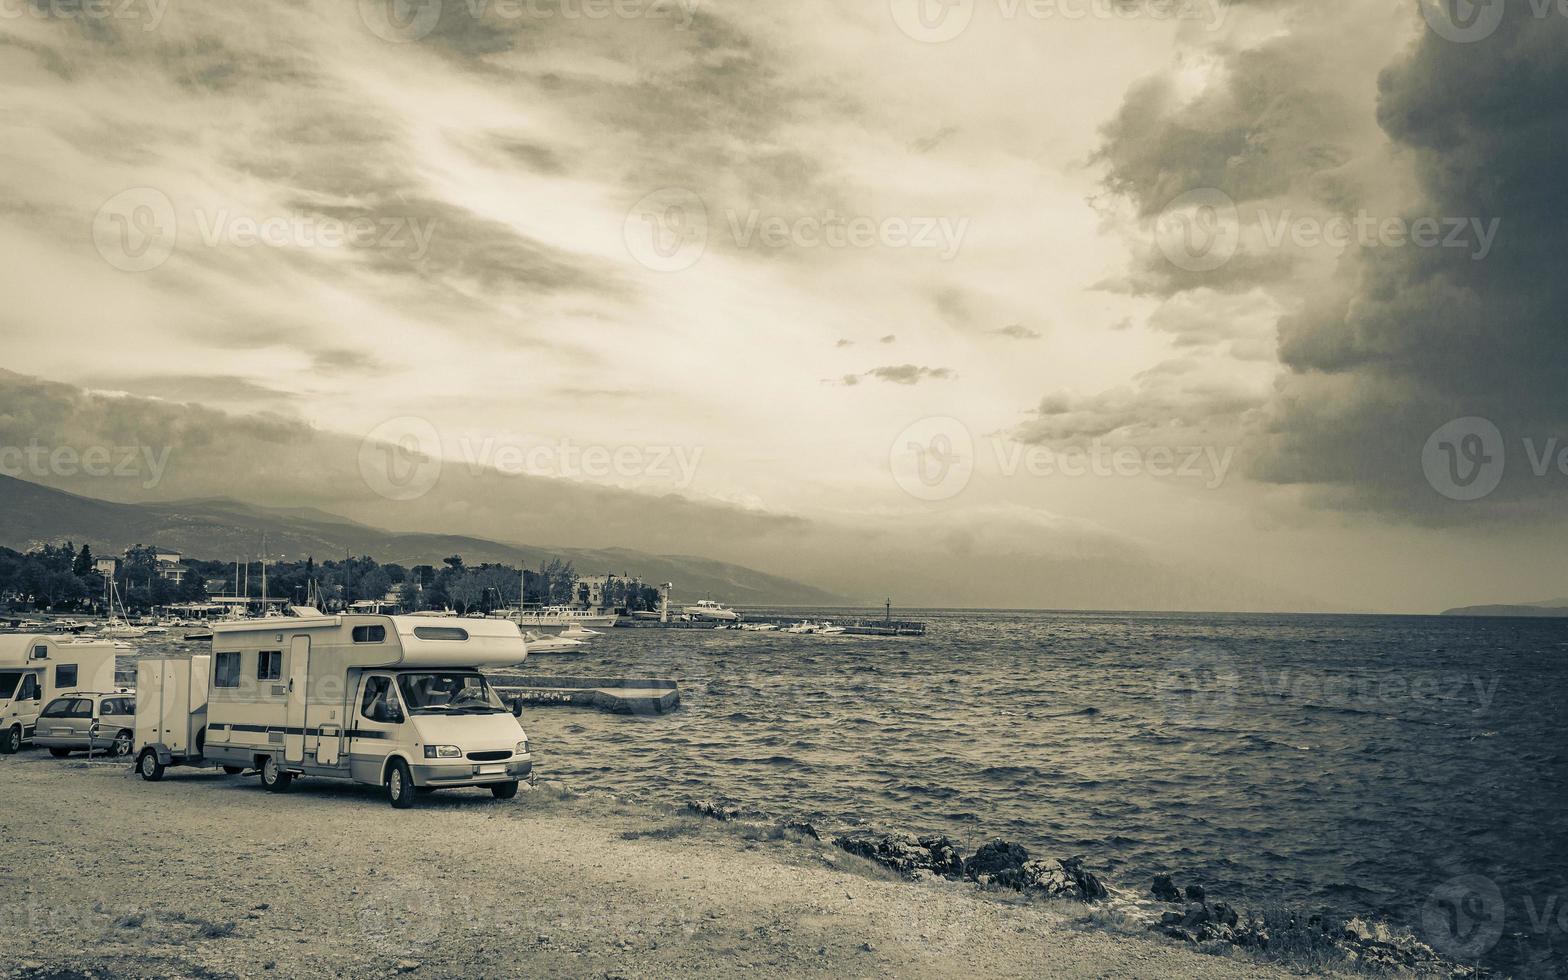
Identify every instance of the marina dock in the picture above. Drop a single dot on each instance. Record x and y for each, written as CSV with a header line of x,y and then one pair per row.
x,y
639,696
877,626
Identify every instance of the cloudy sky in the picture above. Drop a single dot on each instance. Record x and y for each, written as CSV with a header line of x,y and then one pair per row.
x,y
1118,303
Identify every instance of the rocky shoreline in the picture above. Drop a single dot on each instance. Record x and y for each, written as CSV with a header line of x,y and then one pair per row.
x,y
1277,933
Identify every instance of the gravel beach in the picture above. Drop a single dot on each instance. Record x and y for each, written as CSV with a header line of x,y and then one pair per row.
x,y
204,876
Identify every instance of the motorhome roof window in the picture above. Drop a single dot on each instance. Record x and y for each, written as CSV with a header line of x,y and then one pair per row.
x,y
226,670
65,675
370,634
41,651
269,665
440,633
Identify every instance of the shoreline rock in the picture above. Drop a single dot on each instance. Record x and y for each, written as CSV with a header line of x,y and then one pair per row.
x,y
1367,945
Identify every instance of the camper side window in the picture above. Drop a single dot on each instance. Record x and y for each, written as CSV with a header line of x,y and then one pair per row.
x,y
370,634
65,675
379,703
269,665
226,670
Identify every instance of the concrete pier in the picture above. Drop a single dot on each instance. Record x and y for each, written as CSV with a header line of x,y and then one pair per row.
x,y
640,696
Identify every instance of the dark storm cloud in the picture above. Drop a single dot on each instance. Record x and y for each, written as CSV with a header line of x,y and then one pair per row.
x,y
1410,339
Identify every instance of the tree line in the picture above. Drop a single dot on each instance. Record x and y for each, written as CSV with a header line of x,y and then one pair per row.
x,y
63,578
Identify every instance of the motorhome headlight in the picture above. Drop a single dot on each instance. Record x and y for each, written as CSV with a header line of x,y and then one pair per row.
x,y
443,752
522,747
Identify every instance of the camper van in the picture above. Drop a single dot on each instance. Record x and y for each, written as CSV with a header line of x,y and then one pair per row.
x,y
393,701
37,668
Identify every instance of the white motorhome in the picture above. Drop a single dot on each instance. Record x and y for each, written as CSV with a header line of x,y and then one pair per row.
x,y
35,668
393,701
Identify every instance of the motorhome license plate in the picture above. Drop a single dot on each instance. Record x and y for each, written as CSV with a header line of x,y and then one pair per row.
x,y
491,770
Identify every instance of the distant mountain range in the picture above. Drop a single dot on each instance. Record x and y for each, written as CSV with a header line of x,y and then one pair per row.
x,y
224,529
1551,608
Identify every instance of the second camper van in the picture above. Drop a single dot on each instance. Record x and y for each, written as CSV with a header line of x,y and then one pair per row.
x,y
393,701
36,668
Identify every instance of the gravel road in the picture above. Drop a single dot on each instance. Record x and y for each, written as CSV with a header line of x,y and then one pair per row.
x,y
203,875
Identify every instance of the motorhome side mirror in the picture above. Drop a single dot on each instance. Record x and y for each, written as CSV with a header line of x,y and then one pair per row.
x,y
517,707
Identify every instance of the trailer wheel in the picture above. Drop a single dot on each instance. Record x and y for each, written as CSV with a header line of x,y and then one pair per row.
x,y
504,791
274,776
149,766
121,746
59,753
400,785
12,742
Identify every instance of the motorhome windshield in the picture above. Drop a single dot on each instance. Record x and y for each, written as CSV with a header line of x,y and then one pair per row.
x,y
8,681
448,691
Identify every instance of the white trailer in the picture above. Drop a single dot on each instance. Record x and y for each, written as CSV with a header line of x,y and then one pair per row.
x,y
394,701
171,712
35,668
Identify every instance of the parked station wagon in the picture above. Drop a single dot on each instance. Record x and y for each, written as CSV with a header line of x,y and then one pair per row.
x,y
79,722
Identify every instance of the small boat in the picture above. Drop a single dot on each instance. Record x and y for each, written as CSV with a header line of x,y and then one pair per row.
x,y
712,611
576,632
828,629
801,627
540,643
